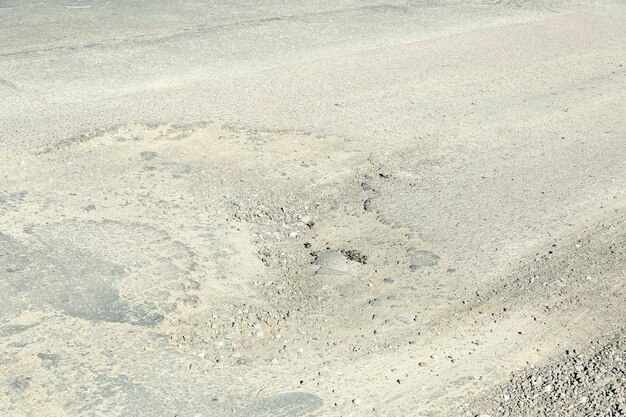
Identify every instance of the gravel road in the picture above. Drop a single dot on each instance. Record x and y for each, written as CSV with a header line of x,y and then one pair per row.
x,y
320,208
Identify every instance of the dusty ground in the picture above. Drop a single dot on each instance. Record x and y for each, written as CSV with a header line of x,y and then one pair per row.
x,y
318,209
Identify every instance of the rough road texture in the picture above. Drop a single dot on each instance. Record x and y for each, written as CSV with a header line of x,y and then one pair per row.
x,y
320,208
591,384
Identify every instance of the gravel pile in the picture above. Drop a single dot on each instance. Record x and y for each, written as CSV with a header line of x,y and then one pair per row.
x,y
590,384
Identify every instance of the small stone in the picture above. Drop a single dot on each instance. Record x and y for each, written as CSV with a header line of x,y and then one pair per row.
x,y
406,318
356,401
307,221
274,361
148,155
422,259
423,364
331,263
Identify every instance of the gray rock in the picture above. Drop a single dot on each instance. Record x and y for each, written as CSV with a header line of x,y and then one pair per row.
x,y
148,155
422,259
331,263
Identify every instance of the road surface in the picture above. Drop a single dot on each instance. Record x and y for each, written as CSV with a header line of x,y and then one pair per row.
x,y
328,208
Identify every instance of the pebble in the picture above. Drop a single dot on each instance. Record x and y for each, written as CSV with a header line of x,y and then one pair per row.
x,y
406,318
331,263
422,259
148,155
356,401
